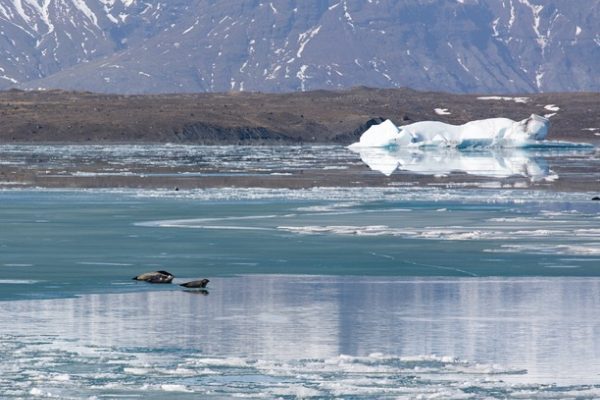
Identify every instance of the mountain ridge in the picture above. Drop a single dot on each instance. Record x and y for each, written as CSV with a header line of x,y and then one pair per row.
x,y
462,46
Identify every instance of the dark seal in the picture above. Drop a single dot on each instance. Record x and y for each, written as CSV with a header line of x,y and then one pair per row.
x,y
196,284
155,277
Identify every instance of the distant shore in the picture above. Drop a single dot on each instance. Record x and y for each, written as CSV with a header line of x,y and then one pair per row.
x,y
310,118
318,117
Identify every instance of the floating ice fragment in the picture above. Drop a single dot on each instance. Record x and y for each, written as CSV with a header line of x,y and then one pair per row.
x,y
495,147
497,132
442,111
382,135
175,388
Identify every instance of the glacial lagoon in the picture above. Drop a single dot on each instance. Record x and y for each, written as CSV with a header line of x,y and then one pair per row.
x,y
487,289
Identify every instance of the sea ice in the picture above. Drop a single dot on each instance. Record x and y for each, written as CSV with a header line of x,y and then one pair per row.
x,y
492,132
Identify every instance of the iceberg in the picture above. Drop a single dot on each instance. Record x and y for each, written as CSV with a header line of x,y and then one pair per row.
x,y
491,132
493,147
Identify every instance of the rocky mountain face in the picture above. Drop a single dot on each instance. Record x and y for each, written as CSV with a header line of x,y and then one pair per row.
x,y
153,46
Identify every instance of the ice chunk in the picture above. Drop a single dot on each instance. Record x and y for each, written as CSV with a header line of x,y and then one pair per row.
x,y
500,132
381,135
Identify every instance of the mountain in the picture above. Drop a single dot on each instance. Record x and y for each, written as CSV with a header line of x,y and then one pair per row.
x,y
135,46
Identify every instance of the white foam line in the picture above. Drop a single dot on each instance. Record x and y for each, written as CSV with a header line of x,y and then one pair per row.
x,y
182,223
217,227
103,263
383,256
17,265
442,267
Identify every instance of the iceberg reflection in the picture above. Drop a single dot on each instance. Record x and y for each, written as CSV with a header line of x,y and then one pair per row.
x,y
488,162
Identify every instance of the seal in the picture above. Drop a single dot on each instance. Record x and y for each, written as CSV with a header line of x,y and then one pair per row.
x,y
196,284
155,277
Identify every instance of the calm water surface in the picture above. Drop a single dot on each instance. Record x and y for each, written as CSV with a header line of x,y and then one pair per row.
x,y
306,336
559,166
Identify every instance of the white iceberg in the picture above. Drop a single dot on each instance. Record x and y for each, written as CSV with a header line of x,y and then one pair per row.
x,y
494,147
492,132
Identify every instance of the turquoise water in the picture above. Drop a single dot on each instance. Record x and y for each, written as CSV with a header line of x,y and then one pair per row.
x,y
87,242
324,293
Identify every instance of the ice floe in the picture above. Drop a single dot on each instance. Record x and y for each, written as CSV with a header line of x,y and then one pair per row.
x,y
442,111
551,107
17,282
583,249
491,132
495,147
506,233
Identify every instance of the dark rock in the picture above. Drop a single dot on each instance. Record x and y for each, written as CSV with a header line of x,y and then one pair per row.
x,y
356,133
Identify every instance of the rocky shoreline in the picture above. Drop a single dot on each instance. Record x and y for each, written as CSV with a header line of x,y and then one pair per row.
x,y
324,117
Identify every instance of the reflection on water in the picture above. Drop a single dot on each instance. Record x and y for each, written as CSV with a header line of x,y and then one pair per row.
x,y
189,166
311,336
498,163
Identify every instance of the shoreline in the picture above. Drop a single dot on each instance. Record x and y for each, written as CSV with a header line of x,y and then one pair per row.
x,y
318,117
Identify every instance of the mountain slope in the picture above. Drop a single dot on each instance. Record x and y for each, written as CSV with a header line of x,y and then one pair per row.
x,y
130,46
